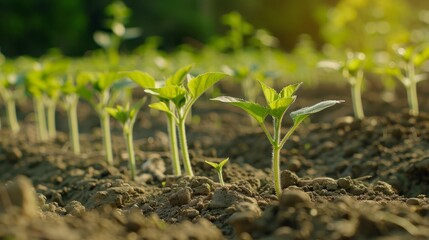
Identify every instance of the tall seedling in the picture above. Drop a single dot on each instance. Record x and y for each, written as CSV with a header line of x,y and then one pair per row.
x,y
277,105
118,14
352,71
176,100
405,69
70,101
126,116
174,80
100,93
36,86
11,87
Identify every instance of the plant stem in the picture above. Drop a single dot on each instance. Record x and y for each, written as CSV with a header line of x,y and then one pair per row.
x,y
171,126
39,110
356,97
412,90
52,131
11,115
222,183
107,141
73,127
412,99
128,134
276,157
184,147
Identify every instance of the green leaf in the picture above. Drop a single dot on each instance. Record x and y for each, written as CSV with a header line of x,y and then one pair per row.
x,y
143,79
119,113
84,78
161,106
85,93
289,90
177,78
279,106
225,161
198,85
269,93
176,94
299,115
213,164
258,112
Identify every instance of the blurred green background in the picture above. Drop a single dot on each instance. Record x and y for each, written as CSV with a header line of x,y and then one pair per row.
x,y
32,27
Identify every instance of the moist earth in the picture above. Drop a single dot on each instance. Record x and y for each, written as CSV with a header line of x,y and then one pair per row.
x,y
342,178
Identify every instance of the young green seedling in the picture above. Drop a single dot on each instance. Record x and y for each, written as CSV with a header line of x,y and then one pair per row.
x,y
11,86
176,100
70,100
118,14
405,69
175,80
218,167
101,94
126,116
43,84
277,105
352,71
35,85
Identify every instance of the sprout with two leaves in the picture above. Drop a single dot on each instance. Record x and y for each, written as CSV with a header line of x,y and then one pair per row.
x,y
43,84
11,88
406,70
218,167
352,71
175,79
126,116
177,98
70,99
277,105
101,91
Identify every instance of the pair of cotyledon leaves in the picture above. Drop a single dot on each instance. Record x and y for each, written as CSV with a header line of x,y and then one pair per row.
x,y
277,104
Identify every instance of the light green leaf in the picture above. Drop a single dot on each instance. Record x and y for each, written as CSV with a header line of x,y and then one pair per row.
x,y
84,78
289,90
225,161
173,93
119,113
198,85
269,93
258,112
161,106
143,79
279,106
178,77
104,80
213,164
299,115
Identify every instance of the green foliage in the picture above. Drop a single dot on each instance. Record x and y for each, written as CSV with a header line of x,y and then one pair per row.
x,y
177,97
218,167
276,106
126,115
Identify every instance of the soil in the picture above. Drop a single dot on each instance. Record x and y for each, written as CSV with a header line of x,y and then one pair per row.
x,y
342,178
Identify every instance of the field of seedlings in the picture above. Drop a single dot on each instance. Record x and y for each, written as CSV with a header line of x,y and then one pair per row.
x,y
245,141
